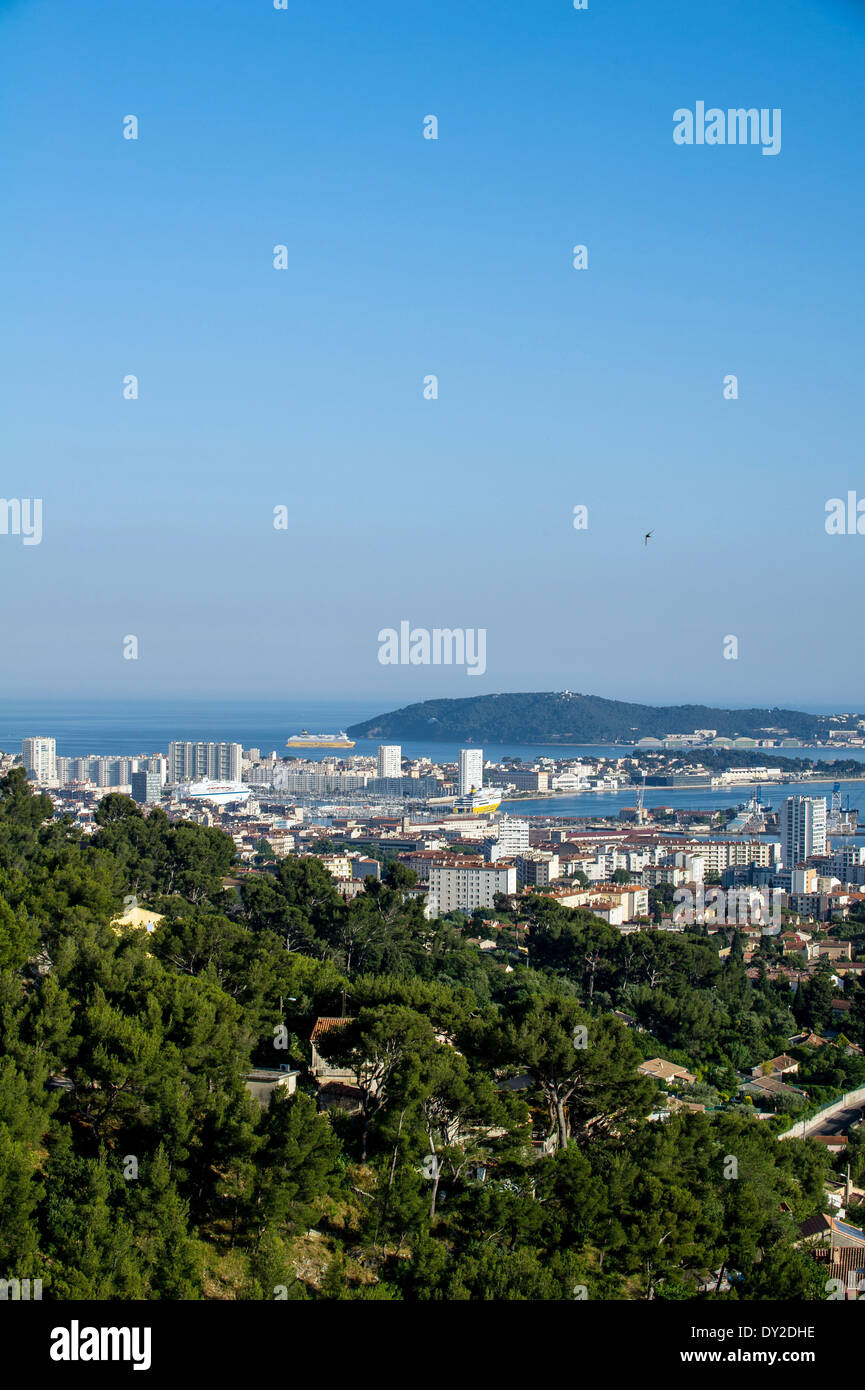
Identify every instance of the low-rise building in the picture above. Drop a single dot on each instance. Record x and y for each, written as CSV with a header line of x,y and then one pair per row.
x,y
662,1070
537,868
527,780
337,865
138,916
466,887
261,1083
777,1066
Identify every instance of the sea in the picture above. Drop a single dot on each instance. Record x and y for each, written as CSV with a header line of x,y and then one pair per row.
x,y
603,804
123,727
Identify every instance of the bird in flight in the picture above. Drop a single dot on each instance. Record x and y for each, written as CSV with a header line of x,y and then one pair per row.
x,y
646,537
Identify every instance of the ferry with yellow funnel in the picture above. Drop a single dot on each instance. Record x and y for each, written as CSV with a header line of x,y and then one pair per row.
x,y
307,740
478,802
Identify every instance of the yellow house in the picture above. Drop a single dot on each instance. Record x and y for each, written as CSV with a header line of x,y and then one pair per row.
x,y
141,917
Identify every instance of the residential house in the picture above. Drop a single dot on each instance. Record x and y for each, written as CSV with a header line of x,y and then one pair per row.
x,y
321,1068
142,917
662,1070
777,1066
769,1088
337,1086
839,1248
261,1083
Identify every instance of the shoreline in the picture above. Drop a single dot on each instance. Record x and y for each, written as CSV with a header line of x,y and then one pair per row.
x,y
621,791
779,750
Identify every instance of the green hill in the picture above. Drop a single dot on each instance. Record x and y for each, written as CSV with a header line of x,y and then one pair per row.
x,y
570,718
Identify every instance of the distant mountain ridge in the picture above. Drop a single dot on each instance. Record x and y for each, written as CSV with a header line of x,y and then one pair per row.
x,y
569,718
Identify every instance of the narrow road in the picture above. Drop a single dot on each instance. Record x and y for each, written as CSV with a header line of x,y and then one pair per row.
x,y
838,1121
841,1121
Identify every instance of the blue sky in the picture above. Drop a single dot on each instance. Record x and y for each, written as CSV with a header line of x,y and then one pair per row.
x,y
408,257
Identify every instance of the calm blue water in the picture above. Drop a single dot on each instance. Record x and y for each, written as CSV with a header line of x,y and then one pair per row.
x,y
147,726
681,798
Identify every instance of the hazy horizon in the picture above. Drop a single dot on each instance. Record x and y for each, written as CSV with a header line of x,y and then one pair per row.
x,y
323,701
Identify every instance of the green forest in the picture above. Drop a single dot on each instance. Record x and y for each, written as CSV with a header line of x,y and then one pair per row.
x,y
566,717
500,1146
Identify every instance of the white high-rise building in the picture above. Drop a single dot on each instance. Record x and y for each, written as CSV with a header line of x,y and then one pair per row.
x,y
390,760
39,756
803,829
158,763
471,770
188,762
513,836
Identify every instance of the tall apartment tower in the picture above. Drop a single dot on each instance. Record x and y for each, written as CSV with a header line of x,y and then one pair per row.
x,y
158,763
803,829
471,770
188,762
39,756
390,760
513,836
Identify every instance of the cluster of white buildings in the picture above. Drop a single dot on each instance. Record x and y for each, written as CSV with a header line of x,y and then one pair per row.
x,y
185,763
48,771
500,855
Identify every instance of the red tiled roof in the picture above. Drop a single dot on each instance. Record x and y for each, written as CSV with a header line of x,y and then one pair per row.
x,y
327,1025
841,1262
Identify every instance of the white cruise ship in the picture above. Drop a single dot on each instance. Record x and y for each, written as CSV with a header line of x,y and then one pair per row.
x,y
221,793
307,740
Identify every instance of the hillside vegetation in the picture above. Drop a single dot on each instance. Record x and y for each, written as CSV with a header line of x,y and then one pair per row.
x,y
135,1164
570,718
